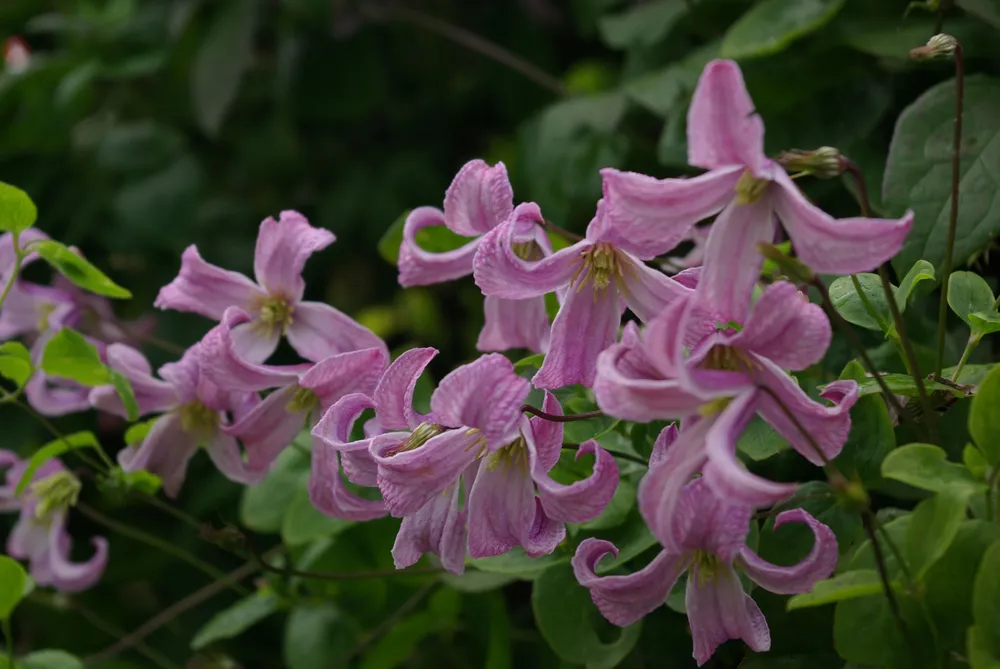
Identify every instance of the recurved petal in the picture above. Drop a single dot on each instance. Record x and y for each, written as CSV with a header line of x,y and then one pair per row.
x,y
719,610
478,199
785,328
801,577
582,500
664,441
268,428
227,368
418,267
205,289
345,373
225,454
648,291
319,331
165,452
547,435
330,495
514,324
501,507
68,576
283,247
437,527
394,393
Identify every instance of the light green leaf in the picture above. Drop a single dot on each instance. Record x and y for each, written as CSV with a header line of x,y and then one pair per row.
x,y
13,579
388,245
984,419
76,269
579,431
846,301
318,636
986,595
925,466
920,272
55,449
641,25
437,239
473,580
974,461
515,563
935,522
16,349
871,436
984,322
302,523
978,651
987,10
851,584
903,384
138,431
760,441
224,55
125,393
617,510
564,613
969,293
263,506
665,92
17,211
49,659
771,25
918,171
71,356
15,369
236,619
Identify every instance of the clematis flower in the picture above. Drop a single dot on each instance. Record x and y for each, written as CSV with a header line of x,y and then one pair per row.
x,y
479,199
729,372
726,136
314,329
710,533
304,392
193,413
602,274
473,475
40,535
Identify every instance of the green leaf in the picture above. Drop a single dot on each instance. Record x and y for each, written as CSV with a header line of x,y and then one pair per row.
x,y
566,617
15,369
617,510
16,349
579,431
770,26
392,238
926,466
515,563
986,595
71,356
401,642
474,580
236,619
317,636
851,584
665,92
918,171
969,293
978,650
76,269
263,506
302,523
224,55
49,659
871,436
903,384
17,211
760,441
935,522
984,419
984,323
641,25
138,431
437,239
791,542
920,272
974,461
124,389
55,449
13,580
987,10
846,301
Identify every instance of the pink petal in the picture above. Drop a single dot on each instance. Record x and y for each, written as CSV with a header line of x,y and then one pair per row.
x,y
582,500
269,428
345,373
165,452
437,527
649,217
719,610
723,128
283,247
649,291
547,435
226,367
394,393
30,308
478,199
828,425
786,328
255,341
51,396
67,576
205,289
418,267
499,272
225,454
587,323
485,394
704,521
330,495
502,513
801,577
151,394
625,599
319,331
664,440
514,324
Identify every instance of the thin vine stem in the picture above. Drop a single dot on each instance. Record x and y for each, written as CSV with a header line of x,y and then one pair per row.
x,y
567,418
571,237
970,346
104,465
339,576
113,630
396,616
867,519
894,549
16,270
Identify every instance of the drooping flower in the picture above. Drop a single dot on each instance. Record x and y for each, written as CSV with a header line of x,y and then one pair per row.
x,y
195,412
473,475
706,538
40,535
303,392
16,55
602,274
479,199
314,329
726,136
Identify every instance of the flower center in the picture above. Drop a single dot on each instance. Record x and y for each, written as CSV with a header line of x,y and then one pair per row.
x,y
714,407
749,188
513,456
59,491
303,399
530,251
198,418
420,436
705,566
45,309
726,358
600,265
275,312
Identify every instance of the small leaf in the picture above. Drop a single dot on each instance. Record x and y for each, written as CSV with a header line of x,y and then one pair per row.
x,y
845,300
54,449
302,523
71,356
263,506
760,441
934,524
15,369
925,466
851,584
978,650
233,621
17,211
49,659
984,322
984,419
76,269
137,432
124,389
903,384
436,239
969,293
770,26
642,25
920,272
13,579
392,238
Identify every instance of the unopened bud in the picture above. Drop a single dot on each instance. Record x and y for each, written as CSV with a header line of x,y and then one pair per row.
x,y
58,491
793,268
825,162
938,47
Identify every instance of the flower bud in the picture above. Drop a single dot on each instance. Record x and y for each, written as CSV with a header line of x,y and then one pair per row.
x,y
938,47
793,268
825,162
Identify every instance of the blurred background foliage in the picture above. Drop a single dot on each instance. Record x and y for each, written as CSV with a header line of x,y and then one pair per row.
x,y
143,126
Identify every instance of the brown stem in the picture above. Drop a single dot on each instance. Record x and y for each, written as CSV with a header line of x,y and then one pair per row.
x,y
568,418
113,630
867,520
562,232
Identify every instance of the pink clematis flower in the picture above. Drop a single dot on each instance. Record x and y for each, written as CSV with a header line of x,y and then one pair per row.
x,y
707,539
40,535
726,136
602,274
479,199
314,329
474,440
194,413
304,392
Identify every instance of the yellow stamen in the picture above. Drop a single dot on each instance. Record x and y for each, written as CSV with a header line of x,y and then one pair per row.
x,y
749,188
601,265
420,436
303,399
714,407
513,456
199,419
529,251
274,311
58,491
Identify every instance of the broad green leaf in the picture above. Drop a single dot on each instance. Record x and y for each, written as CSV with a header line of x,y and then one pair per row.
x,y
925,466
226,52
903,384
665,92
986,595
918,171
920,272
302,523
987,10
984,419
138,431
49,659
845,299
771,25
978,651
71,356
632,538
984,322
565,616
515,563
236,619
617,510
15,369
16,349
55,449
473,580
76,269
401,641
641,25
13,579
579,431
499,649
969,293
125,393
318,636
263,506
388,245
792,541
974,461
851,584
971,375
871,436
17,211
935,523
760,441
